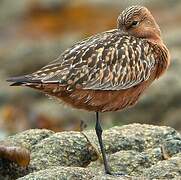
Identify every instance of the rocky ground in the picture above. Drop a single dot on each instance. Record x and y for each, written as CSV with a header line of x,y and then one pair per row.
x,y
138,151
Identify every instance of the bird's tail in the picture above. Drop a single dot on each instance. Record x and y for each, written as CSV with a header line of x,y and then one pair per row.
x,y
37,84
21,80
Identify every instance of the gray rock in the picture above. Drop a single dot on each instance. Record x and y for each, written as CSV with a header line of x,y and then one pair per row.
x,y
71,173
65,149
167,169
30,138
138,151
60,173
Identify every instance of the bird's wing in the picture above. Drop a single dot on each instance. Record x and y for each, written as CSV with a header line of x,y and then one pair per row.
x,y
107,61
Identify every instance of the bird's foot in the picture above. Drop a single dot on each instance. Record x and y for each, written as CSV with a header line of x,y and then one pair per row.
x,y
115,173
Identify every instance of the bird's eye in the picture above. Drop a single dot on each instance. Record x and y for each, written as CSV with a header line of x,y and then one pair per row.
x,y
135,23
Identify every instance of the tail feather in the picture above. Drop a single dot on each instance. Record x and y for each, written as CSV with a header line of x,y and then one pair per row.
x,y
20,80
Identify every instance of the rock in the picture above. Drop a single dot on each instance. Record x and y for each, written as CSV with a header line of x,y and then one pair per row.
x,y
168,169
72,149
61,173
30,138
49,149
138,151
70,173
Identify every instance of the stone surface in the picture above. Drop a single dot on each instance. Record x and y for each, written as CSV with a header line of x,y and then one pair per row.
x,y
138,151
167,169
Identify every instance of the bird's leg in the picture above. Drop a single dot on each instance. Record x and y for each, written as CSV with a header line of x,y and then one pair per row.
x,y
98,129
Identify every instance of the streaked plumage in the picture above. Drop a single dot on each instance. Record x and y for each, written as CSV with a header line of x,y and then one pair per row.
x,y
113,63
108,61
108,71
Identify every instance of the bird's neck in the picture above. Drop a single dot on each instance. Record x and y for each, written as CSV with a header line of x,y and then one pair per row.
x,y
162,56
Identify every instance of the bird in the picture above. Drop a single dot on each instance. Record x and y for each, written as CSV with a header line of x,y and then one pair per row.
x,y
108,71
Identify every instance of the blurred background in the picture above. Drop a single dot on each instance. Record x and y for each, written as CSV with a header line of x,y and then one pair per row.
x,y
34,32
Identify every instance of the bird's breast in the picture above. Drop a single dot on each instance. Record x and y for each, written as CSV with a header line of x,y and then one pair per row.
x,y
99,100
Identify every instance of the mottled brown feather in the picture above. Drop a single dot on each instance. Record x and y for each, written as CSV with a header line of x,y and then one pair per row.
x,y
108,71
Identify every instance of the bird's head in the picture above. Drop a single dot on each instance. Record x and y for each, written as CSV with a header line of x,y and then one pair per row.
x,y
139,22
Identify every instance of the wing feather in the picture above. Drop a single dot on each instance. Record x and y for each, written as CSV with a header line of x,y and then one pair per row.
x,y
107,61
